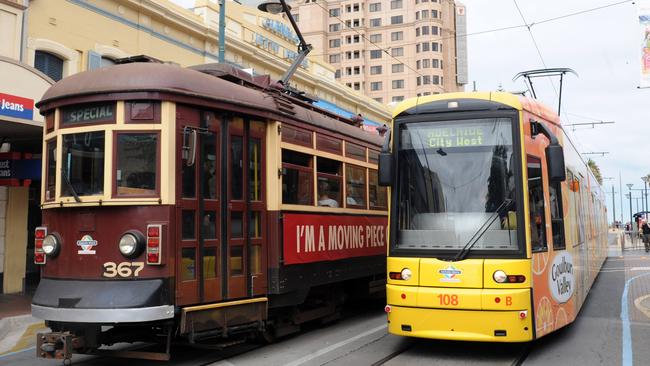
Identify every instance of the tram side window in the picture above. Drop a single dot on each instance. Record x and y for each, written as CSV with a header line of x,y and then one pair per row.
x,y
136,173
329,182
296,136
536,205
83,164
297,178
557,216
51,171
377,195
355,186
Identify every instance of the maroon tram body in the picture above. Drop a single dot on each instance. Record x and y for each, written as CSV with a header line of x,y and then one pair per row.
x,y
198,203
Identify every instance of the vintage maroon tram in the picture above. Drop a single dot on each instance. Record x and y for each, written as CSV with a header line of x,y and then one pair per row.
x,y
196,203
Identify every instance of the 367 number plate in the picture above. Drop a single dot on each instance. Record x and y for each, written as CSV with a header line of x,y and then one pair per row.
x,y
123,269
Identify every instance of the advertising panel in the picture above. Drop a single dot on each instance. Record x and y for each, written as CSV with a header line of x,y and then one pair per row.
x,y
315,238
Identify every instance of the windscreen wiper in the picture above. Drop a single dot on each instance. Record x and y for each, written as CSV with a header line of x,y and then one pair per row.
x,y
481,230
69,184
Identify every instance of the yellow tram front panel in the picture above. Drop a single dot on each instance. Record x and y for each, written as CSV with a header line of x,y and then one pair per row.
x,y
476,309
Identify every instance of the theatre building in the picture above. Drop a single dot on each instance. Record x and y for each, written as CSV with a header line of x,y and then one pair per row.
x,y
21,128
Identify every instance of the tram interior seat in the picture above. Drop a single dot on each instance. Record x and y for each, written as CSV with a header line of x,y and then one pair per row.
x,y
452,230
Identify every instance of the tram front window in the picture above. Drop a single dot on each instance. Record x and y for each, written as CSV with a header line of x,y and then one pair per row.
x,y
82,169
456,186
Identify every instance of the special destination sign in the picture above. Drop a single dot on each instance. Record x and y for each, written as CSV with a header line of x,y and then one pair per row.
x,y
89,113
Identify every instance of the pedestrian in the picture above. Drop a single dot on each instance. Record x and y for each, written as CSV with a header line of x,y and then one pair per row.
x,y
646,235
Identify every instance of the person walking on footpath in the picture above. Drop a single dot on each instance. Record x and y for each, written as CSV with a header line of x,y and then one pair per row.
x,y
645,228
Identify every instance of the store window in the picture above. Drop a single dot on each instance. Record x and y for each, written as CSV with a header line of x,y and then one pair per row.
x,y
49,64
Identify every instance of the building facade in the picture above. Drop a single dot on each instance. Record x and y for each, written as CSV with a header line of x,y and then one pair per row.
x,y
389,49
43,41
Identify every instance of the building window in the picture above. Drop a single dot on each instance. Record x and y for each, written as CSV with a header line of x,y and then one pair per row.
x,y
425,30
417,32
398,51
418,64
396,4
425,14
398,68
356,54
337,74
435,63
335,58
335,27
379,100
357,86
436,80
425,63
356,39
49,65
396,36
417,48
418,81
397,98
398,84
417,15
374,7
434,30
375,70
434,13
375,38
425,47
334,43
356,23
426,80
355,7
348,71
376,22
357,70
375,85
335,12
375,54
397,19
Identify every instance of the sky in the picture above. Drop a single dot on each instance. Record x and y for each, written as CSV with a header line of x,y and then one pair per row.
x,y
602,46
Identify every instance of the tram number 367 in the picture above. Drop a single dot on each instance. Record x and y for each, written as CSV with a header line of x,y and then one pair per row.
x,y
123,269
446,299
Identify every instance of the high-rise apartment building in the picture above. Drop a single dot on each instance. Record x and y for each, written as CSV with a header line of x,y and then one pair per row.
x,y
389,49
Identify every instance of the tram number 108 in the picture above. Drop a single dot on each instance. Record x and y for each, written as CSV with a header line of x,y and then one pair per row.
x,y
447,300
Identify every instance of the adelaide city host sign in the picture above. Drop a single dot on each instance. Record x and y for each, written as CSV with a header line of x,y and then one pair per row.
x,y
314,238
15,106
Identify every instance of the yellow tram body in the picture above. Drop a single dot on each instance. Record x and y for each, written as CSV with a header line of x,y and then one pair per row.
x,y
445,298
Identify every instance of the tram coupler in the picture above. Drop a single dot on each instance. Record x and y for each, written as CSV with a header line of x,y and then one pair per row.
x,y
57,345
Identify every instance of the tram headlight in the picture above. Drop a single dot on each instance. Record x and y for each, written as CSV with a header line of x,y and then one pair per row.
x,y
131,244
51,245
500,276
406,274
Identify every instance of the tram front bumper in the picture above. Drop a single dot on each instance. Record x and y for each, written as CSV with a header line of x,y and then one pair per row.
x,y
92,301
460,325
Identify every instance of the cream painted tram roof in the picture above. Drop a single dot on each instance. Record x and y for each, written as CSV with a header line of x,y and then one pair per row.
x,y
172,79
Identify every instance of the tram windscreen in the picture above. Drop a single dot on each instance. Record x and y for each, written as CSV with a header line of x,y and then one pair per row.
x,y
456,185
83,164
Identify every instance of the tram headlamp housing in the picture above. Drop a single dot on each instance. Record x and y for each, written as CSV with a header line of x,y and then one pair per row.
x,y
500,276
406,274
51,245
131,244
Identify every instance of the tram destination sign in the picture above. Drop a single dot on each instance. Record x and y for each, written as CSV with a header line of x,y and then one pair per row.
x,y
451,135
88,113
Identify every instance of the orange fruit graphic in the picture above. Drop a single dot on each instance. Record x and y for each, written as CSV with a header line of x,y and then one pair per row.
x,y
544,316
561,318
540,261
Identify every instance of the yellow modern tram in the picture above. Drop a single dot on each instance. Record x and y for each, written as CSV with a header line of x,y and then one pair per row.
x,y
497,226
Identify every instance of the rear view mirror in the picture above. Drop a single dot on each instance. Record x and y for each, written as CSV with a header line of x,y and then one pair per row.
x,y
555,163
189,146
385,169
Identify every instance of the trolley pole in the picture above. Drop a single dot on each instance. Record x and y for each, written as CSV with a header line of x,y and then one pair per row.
x,y
629,186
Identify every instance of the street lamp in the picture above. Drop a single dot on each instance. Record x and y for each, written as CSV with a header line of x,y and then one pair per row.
x,y
276,7
645,180
629,186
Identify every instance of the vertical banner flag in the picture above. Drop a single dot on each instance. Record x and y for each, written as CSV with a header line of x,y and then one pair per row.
x,y
644,20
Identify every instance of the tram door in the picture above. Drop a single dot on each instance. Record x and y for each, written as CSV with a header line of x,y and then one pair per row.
x,y
198,249
245,264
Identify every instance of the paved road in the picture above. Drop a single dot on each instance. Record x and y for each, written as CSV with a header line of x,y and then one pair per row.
x,y
613,328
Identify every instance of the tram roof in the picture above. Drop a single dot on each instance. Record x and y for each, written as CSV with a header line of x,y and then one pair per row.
x,y
513,101
168,79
